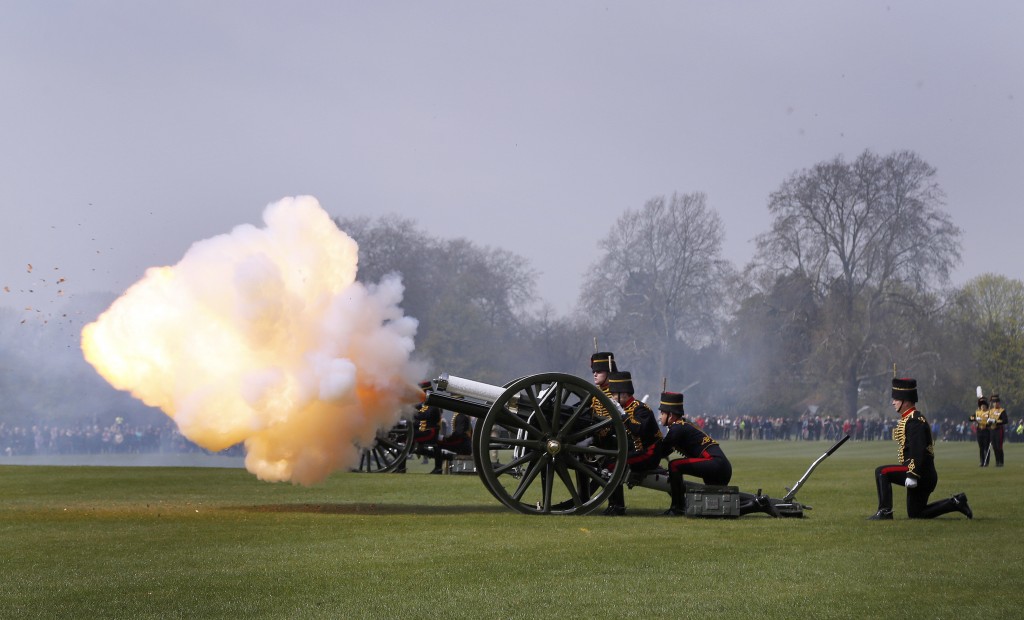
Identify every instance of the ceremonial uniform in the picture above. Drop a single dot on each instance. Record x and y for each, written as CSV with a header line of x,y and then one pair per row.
x,y
998,419
642,431
703,457
601,364
980,419
459,441
916,467
426,430
644,434
427,422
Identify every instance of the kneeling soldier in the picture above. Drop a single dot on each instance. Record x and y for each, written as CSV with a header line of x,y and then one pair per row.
x,y
703,458
916,469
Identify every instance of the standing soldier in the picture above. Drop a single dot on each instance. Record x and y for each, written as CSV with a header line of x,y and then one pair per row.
x,y
427,428
916,469
980,421
601,364
997,428
642,431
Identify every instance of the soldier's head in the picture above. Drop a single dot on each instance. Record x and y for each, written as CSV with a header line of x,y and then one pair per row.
x,y
601,364
424,385
995,400
983,403
671,407
620,384
904,394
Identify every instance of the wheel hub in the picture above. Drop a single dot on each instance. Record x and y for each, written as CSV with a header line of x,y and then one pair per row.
x,y
554,446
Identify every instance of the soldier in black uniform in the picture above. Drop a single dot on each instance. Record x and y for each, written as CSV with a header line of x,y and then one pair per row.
x,y
980,420
642,431
997,429
916,469
459,441
601,364
427,428
703,458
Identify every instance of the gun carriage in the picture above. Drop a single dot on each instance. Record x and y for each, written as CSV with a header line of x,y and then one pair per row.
x,y
558,447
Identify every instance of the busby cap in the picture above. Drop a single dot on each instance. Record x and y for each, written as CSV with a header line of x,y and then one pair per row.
x,y
603,361
620,382
984,403
425,385
671,402
904,389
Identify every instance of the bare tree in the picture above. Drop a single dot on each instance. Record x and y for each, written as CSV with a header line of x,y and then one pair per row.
x,y
659,279
870,236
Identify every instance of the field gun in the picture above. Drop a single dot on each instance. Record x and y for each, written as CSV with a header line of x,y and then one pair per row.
x,y
544,425
556,445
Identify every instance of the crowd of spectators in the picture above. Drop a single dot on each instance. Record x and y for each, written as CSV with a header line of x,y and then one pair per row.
x,y
815,428
95,438
124,438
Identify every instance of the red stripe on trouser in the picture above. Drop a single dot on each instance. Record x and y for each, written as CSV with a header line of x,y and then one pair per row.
x,y
428,437
676,464
894,469
646,454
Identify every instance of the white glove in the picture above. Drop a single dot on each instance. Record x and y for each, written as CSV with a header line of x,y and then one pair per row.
x,y
910,482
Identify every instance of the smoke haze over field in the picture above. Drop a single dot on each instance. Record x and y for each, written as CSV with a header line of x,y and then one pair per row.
x,y
263,335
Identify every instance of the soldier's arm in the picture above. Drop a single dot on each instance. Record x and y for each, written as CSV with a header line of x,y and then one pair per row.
x,y
916,446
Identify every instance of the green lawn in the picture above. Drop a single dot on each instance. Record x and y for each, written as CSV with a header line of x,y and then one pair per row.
x,y
164,542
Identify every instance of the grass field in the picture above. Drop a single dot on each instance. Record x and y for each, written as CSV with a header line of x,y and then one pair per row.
x,y
164,542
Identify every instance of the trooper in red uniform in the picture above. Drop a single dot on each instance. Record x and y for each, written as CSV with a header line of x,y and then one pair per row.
x,y
916,467
702,458
641,429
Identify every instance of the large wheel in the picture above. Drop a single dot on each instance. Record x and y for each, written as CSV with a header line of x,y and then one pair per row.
x,y
389,451
557,448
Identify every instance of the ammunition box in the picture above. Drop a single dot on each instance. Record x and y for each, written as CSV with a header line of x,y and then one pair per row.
x,y
713,501
461,464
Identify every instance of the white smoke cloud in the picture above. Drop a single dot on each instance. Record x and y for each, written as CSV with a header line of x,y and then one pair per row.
x,y
262,335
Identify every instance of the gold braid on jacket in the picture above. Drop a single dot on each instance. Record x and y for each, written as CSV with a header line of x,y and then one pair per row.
x,y
600,410
899,433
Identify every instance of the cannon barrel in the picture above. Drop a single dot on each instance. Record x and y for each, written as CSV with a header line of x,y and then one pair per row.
x,y
474,398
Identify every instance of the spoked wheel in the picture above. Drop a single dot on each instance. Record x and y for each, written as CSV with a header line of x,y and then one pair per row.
x,y
556,447
390,451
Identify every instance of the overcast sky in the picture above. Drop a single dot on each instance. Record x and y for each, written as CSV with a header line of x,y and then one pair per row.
x,y
129,130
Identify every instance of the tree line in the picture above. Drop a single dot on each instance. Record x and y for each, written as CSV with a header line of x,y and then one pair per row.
x,y
851,279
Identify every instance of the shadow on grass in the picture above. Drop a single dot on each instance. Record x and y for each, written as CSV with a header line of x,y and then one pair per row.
x,y
368,509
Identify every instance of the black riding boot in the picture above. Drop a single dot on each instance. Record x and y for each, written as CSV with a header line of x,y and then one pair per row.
x,y
678,508
616,503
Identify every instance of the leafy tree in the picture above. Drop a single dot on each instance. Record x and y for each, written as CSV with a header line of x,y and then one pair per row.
x,y
871,239
990,310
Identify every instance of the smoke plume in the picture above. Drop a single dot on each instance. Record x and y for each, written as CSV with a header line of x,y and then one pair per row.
x,y
263,335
